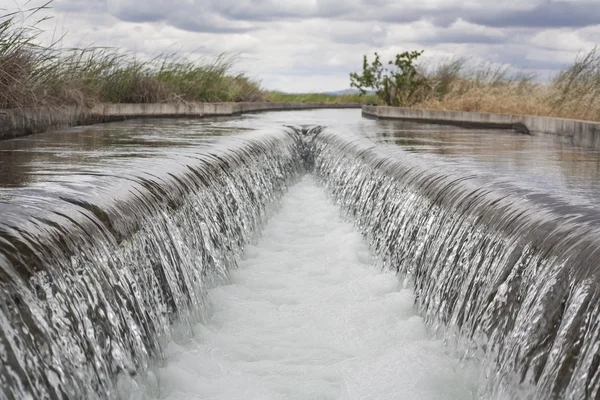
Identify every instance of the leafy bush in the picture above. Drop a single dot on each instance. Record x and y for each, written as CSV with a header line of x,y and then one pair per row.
x,y
400,84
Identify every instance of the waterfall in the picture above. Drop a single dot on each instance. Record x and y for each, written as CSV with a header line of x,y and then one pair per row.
x,y
93,282
511,272
96,278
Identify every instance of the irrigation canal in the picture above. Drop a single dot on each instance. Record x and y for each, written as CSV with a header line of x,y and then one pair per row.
x,y
298,255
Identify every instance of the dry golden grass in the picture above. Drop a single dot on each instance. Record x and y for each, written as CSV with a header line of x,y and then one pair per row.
x,y
574,93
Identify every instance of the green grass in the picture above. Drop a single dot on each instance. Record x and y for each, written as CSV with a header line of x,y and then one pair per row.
x,y
320,98
35,75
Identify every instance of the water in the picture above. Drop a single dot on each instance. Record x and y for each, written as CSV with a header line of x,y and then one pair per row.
x,y
114,240
528,161
308,316
94,273
509,275
51,160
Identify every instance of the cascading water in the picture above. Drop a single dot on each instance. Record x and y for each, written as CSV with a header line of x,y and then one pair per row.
x,y
90,291
97,276
307,315
511,270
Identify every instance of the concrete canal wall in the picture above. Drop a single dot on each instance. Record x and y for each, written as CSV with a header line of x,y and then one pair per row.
x,y
15,123
21,122
579,133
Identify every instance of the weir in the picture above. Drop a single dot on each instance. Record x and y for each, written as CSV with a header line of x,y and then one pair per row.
x,y
98,275
92,282
513,272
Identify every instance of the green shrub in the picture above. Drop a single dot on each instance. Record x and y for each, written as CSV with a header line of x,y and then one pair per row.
x,y
400,84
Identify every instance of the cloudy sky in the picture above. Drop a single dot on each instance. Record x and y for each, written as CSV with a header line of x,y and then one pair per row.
x,y
312,45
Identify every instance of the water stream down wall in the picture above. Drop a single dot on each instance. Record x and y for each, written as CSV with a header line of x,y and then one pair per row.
x,y
512,273
93,282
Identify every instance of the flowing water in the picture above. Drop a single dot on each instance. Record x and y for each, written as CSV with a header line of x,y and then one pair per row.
x,y
511,272
308,316
182,259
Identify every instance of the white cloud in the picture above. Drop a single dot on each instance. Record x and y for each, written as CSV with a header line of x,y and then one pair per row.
x,y
312,45
562,40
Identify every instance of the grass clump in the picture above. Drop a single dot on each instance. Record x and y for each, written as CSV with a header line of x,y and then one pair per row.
x,y
572,93
459,85
33,75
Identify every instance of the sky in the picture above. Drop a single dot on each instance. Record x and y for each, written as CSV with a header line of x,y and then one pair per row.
x,y
313,45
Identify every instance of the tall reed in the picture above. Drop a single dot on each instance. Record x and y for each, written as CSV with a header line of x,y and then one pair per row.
x,y
460,85
32,74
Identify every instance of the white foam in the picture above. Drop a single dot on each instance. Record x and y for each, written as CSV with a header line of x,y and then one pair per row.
x,y
307,316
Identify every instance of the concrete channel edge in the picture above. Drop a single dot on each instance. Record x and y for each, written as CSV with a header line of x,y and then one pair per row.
x,y
575,132
21,122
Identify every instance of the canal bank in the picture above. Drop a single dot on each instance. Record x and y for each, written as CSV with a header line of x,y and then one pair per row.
x,y
575,132
22,122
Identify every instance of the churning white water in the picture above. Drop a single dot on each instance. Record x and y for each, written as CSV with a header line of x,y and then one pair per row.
x,y
308,316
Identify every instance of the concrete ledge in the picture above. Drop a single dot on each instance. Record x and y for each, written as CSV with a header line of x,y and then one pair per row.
x,y
579,133
21,122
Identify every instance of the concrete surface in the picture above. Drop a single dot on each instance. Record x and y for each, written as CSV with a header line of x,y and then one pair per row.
x,y
578,133
20,122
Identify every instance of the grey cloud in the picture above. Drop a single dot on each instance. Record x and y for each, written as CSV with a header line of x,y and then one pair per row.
x,y
80,6
445,37
180,14
143,10
369,36
546,15
270,10
302,69
192,22
517,55
435,36
130,15
335,8
519,58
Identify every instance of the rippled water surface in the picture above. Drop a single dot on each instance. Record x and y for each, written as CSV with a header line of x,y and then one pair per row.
x,y
535,162
105,149
538,163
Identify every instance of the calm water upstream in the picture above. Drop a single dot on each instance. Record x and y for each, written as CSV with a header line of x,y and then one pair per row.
x,y
76,154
